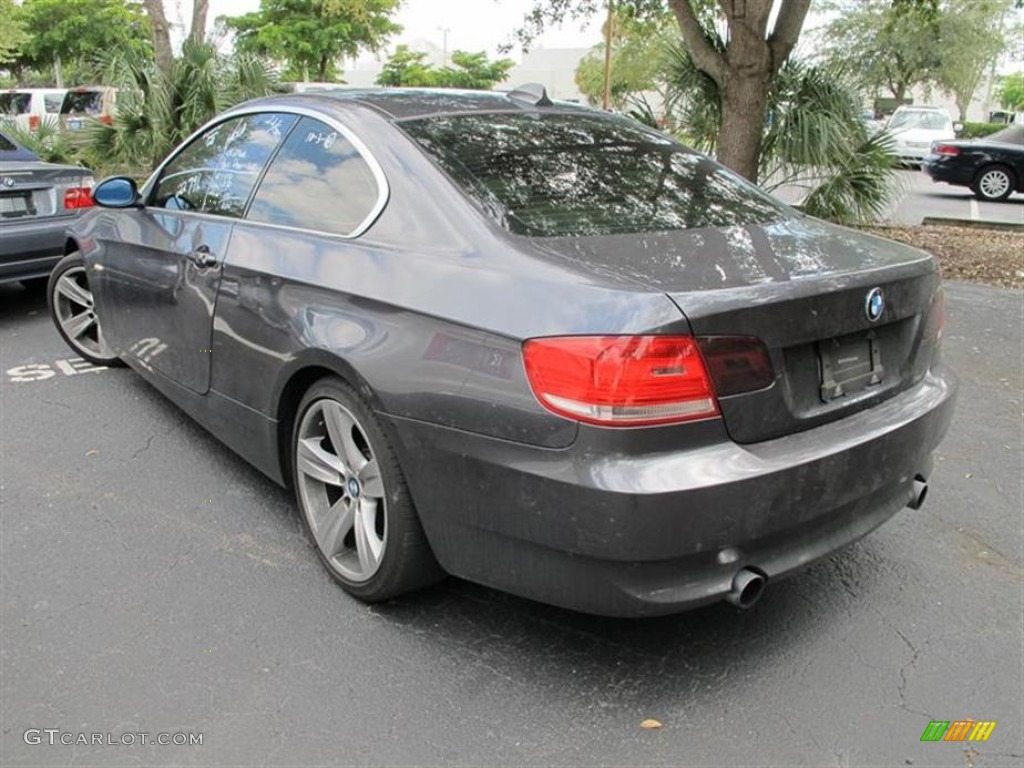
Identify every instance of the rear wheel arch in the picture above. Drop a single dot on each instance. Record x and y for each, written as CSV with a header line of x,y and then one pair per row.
x,y
293,387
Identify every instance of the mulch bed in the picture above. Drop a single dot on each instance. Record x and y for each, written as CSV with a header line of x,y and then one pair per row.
x,y
966,253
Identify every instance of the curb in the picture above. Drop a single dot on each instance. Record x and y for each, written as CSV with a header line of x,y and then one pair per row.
x,y
939,221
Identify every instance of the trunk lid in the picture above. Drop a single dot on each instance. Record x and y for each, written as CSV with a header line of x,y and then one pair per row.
x,y
802,287
32,190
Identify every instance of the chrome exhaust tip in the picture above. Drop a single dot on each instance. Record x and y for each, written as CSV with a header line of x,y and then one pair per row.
x,y
919,493
747,588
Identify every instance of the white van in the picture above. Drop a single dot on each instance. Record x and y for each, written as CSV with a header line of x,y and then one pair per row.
x,y
28,108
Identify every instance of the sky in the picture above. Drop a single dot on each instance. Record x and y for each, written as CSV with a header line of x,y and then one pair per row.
x,y
473,25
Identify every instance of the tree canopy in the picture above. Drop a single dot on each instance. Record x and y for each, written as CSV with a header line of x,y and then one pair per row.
x,y
76,31
410,68
311,35
639,44
894,44
973,37
1011,92
12,31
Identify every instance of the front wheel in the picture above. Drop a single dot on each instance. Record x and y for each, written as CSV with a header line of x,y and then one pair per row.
x,y
354,498
73,312
993,184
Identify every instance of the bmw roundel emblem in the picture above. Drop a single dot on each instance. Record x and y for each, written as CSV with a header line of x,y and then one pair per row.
x,y
874,305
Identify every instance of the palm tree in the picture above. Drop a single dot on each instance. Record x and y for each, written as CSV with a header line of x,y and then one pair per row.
x,y
814,137
157,110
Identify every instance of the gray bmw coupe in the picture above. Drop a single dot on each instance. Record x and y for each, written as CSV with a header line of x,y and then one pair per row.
x,y
520,341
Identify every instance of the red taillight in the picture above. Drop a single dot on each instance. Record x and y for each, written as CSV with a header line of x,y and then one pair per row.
x,y
77,197
33,122
737,363
946,149
620,380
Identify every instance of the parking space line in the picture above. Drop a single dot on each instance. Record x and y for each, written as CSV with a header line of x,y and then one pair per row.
x,y
975,210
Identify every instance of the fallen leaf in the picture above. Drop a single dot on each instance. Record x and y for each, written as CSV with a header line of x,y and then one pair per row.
x,y
93,452
650,724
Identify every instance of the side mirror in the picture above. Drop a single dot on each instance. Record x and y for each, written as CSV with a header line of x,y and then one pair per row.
x,y
117,192
958,127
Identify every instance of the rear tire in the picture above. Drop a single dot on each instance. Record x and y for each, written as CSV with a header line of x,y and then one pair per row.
x,y
994,183
70,301
354,499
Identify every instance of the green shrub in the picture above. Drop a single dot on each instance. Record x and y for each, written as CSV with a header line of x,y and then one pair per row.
x,y
979,130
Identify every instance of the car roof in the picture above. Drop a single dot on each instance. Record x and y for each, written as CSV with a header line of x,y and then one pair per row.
x,y
410,103
18,153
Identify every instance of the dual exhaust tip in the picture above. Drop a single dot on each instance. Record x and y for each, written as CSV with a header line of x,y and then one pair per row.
x,y
748,585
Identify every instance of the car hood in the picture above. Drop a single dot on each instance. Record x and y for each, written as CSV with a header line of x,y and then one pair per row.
x,y
798,248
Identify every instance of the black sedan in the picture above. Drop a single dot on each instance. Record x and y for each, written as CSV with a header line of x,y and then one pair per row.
x,y
992,167
37,203
520,341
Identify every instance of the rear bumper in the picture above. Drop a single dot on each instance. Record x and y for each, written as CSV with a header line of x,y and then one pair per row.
x,y
602,528
31,249
939,169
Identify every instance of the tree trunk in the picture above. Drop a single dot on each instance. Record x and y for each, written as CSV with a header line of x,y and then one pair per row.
x,y
745,71
58,71
744,103
199,11
322,69
161,32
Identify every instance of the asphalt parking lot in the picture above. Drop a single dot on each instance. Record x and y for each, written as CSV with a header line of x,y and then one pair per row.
x,y
151,582
918,196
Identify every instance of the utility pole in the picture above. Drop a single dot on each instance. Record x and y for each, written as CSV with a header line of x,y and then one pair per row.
x,y
444,44
606,96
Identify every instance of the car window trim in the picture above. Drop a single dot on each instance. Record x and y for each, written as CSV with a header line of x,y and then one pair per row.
x,y
383,188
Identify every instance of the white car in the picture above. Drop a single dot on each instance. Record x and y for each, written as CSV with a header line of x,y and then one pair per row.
x,y
27,108
915,128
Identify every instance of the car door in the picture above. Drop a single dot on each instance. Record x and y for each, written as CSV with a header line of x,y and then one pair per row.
x,y
162,269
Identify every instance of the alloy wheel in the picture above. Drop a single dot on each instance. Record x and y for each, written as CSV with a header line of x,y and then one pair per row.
x,y
994,183
341,490
74,309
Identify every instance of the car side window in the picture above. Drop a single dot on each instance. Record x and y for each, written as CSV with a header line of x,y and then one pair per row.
x,y
218,170
318,181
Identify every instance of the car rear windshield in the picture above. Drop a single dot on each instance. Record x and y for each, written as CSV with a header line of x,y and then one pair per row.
x,y
82,103
14,103
578,174
929,121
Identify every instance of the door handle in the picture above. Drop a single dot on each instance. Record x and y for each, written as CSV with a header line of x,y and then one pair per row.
x,y
202,257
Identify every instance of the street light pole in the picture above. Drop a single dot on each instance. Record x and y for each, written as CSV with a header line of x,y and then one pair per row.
x,y
444,44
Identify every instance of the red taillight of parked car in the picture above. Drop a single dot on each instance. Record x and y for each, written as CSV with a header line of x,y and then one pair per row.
x,y
945,149
78,197
621,381
33,122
